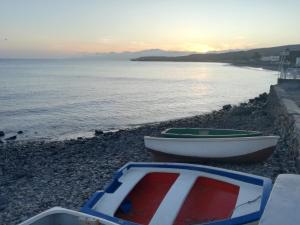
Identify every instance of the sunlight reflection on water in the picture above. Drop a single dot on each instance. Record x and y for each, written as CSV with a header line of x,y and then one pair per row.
x,y
51,98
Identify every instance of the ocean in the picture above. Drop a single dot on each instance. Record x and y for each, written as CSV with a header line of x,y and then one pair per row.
x,y
62,99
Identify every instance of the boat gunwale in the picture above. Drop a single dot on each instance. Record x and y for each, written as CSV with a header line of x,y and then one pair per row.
x,y
246,133
264,182
212,139
60,210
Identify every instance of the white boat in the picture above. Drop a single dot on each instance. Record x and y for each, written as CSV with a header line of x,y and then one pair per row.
x,y
180,194
62,216
194,149
283,207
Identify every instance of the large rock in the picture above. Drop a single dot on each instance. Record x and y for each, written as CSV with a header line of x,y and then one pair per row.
x,y
227,107
11,138
98,132
2,133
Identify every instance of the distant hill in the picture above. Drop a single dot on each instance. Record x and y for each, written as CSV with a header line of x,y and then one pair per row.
x,y
129,55
240,56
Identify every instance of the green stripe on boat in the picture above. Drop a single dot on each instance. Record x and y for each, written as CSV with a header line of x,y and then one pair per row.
x,y
207,133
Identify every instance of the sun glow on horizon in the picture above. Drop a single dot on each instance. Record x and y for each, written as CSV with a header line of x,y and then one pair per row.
x,y
57,28
106,45
201,48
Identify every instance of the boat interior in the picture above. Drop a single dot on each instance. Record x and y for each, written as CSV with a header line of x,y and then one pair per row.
x,y
64,219
208,132
176,197
205,194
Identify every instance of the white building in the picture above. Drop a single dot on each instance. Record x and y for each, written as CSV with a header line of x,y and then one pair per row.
x,y
298,62
272,58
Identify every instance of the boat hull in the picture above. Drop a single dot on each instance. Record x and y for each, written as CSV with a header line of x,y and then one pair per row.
x,y
247,158
246,149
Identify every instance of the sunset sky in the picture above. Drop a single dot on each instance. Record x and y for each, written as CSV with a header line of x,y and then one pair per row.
x,y
58,28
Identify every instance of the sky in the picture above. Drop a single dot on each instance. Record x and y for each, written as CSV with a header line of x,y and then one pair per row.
x,y
60,28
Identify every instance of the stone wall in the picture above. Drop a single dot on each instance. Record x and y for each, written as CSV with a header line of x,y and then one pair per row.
x,y
284,108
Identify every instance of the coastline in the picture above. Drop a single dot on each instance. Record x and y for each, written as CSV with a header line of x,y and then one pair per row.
x,y
38,175
272,67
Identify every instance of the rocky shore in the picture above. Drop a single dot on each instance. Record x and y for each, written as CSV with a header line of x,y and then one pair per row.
x,y
35,176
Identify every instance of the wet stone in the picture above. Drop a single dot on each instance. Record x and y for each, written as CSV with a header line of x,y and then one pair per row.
x,y
98,132
12,138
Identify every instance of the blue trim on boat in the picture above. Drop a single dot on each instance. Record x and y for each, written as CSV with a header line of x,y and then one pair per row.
x,y
236,176
267,188
114,186
88,208
94,199
256,180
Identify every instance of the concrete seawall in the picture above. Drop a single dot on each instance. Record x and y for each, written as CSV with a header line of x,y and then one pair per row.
x,y
284,102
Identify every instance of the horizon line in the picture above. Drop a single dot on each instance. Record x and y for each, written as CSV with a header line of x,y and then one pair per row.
x,y
77,56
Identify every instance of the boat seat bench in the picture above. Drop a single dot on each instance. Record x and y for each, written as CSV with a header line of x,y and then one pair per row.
x,y
169,208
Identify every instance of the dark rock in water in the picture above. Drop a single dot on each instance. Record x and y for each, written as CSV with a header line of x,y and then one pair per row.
x,y
227,107
98,132
20,132
263,96
2,133
11,138
79,138
252,100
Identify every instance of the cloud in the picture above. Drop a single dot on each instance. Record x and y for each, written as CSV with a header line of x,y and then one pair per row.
x,y
104,40
3,38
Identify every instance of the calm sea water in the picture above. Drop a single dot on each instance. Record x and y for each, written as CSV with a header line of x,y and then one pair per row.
x,y
57,99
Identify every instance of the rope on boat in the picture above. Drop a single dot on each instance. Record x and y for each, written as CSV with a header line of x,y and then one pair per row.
x,y
248,202
214,220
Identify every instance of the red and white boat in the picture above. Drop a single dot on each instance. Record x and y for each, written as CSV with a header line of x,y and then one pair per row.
x,y
180,194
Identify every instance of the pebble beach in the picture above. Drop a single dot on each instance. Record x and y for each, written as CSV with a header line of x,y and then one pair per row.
x,y
35,176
